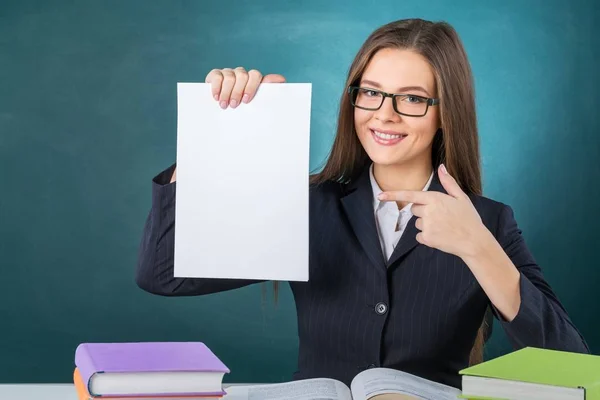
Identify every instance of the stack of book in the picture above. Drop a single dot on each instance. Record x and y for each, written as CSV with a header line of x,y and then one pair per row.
x,y
148,370
534,374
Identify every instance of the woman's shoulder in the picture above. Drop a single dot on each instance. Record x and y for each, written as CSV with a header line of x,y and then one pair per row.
x,y
495,214
487,204
328,189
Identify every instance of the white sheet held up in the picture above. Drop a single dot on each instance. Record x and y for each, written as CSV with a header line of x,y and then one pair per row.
x,y
242,184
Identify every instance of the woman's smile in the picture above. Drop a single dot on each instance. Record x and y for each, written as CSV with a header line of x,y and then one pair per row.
x,y
387,138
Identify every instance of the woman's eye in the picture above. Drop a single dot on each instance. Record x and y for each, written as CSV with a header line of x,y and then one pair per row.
x,y
370,93
413,99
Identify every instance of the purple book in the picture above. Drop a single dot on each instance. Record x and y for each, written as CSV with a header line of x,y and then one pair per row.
x,y
150,368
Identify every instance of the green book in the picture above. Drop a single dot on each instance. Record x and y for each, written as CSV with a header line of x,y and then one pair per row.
x,y
534,374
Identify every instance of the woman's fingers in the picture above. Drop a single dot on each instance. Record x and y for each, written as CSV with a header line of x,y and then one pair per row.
x,y
254,79
226,87
241,79
215,78
233,86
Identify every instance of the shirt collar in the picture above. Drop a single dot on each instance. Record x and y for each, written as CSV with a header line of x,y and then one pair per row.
x,y
377,190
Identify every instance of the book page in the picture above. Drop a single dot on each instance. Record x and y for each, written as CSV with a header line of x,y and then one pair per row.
x,y
308,389
243,184
390,384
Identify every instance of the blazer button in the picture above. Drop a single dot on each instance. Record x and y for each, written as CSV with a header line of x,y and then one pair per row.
x,y
380,308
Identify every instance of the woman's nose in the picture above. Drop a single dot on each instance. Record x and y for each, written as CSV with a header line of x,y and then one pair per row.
x,y
386,112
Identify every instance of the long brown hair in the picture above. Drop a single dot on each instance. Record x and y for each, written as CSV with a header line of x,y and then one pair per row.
x,y
456,144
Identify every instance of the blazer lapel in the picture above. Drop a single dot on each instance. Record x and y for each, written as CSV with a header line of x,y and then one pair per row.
x,y
408,240
358,205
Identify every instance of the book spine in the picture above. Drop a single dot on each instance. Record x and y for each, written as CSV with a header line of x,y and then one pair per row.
x,y
82,393
85,363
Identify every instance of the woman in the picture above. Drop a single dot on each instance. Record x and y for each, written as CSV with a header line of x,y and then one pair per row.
x,y
406,255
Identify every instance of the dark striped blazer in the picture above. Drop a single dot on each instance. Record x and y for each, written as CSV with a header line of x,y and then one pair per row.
x,y
418,312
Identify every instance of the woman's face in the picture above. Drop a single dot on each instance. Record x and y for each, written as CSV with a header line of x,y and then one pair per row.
x,y
388,137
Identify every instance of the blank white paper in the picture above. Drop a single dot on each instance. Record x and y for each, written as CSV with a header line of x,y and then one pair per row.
x,y
242,184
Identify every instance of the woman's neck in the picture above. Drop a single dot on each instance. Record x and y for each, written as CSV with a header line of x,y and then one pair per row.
x,y
402,177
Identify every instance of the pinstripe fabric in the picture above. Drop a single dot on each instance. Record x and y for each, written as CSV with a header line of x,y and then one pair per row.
x,y
433,304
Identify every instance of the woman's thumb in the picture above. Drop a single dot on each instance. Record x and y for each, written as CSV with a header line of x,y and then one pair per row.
x,y
273,78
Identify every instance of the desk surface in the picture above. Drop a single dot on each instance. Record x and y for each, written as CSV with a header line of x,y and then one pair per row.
x,y
46,391
59,391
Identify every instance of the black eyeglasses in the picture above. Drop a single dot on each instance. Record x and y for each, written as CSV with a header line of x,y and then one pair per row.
x,y
404,104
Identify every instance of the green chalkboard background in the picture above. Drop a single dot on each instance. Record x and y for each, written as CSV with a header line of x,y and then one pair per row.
x,y
88,117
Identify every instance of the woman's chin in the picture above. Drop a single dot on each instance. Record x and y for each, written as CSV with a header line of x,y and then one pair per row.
x,y
386,159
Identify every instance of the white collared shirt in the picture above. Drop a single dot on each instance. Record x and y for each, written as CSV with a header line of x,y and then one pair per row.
x,y
391,222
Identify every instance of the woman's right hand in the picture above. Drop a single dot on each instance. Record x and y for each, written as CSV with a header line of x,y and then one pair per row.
x,y
230,87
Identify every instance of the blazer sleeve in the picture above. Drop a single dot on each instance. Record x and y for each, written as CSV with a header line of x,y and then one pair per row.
x,y
541,321
154,272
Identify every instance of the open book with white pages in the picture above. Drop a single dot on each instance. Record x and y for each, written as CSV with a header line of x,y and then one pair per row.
x,y
372,384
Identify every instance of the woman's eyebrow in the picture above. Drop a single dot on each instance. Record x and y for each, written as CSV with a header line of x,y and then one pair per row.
x,y
400,90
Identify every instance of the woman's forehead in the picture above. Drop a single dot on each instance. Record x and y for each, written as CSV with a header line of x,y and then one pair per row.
x,y
395,69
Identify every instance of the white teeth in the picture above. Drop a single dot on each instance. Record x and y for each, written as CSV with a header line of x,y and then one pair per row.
x,y
387,136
